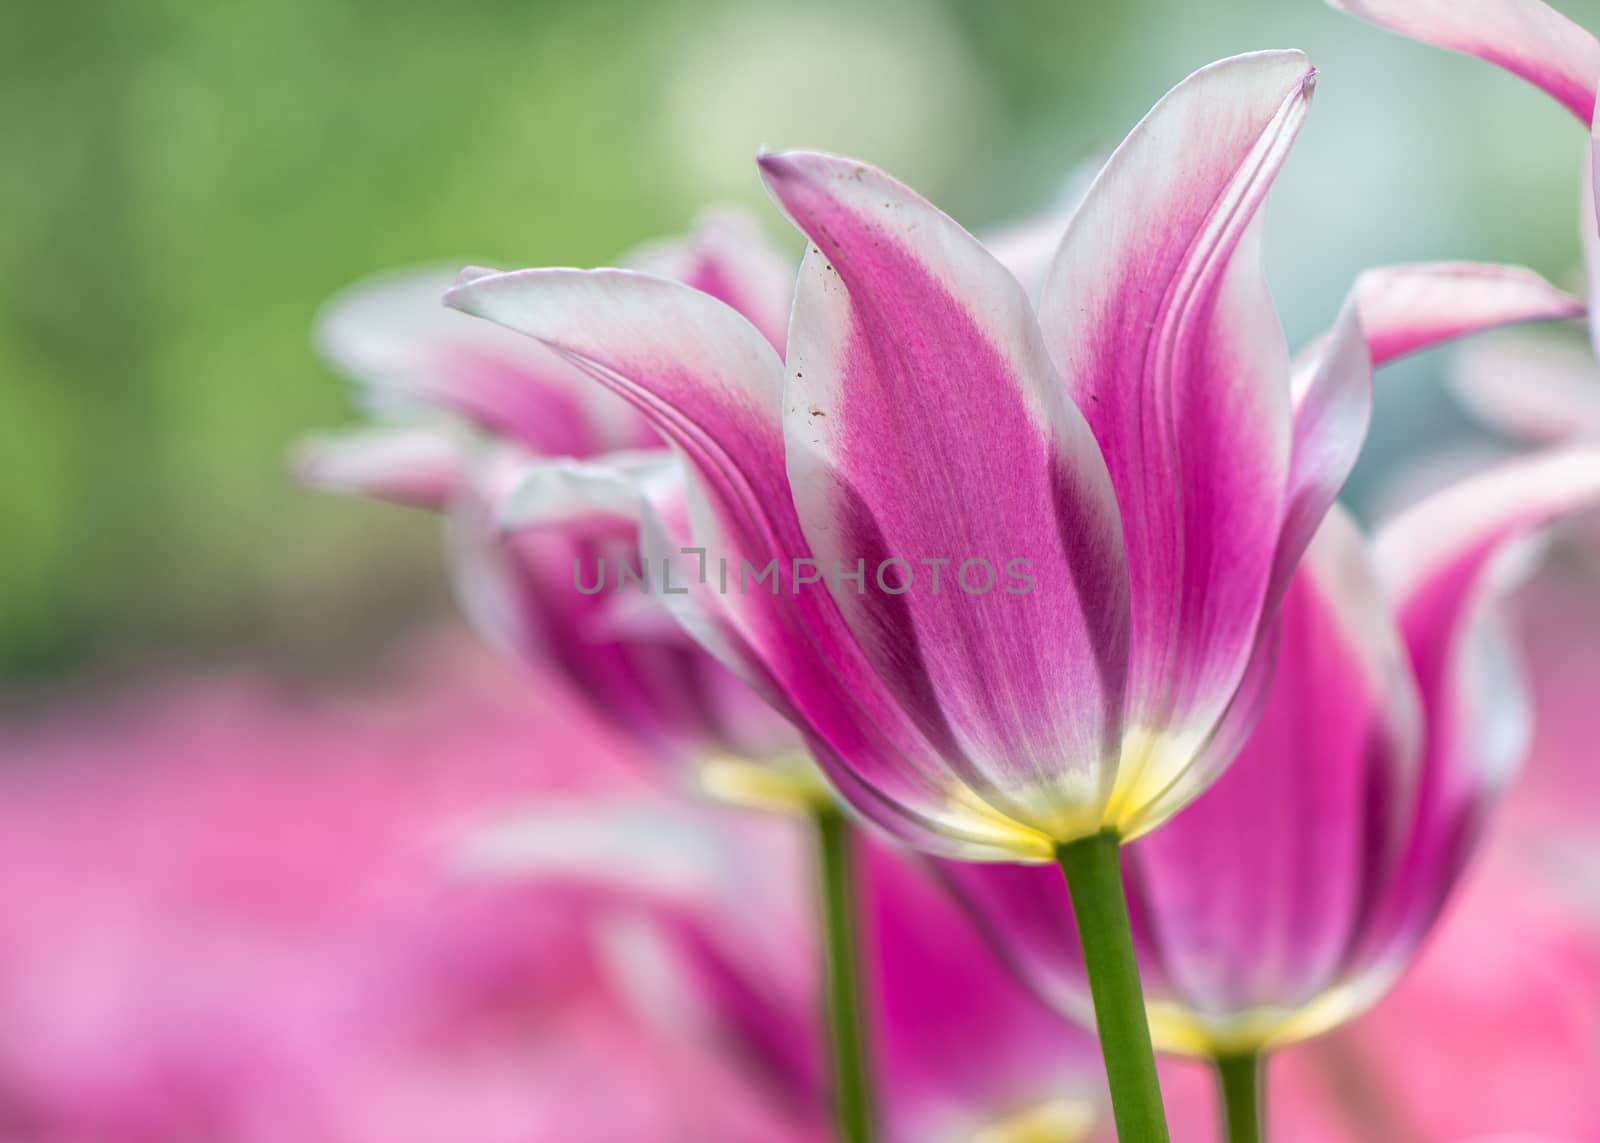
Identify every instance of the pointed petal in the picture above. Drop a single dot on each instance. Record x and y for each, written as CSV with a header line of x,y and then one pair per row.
x,y
1158,317
1444,563
1405,309
1391,311
925,421
1528,38
420,467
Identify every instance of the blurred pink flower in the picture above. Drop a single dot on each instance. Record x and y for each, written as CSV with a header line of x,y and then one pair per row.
x,y
960,1047
414,357
231,913
1493,1036
947,718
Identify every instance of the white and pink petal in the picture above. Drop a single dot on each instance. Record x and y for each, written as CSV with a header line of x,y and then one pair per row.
x,y
1159,320
924,421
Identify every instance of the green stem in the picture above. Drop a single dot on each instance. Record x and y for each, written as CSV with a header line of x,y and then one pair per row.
x,y
1094,878
851,1092
1239,1082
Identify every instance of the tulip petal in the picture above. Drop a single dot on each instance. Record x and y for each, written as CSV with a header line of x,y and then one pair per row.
x,y
961,1044
1255,888
1392,311
1528,38
1440,559
1408,308
1159,319
925,421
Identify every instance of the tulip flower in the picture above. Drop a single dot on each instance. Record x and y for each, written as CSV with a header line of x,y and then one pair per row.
x,y
1291,895
1115,488
647,679
926,702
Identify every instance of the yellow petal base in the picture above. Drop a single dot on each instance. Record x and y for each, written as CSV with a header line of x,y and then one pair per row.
x,y
1178,1031
789,784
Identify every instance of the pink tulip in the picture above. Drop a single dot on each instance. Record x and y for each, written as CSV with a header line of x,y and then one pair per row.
x,y
1116,486
1290,897
646,678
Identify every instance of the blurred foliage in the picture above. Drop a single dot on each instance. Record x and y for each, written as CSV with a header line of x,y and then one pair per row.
x,y
185,183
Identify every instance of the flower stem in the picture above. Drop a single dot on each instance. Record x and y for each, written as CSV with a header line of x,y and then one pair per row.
x,y
1239,1082
1094,878
836,867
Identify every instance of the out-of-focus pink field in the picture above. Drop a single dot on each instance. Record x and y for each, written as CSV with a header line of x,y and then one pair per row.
x,y
230,910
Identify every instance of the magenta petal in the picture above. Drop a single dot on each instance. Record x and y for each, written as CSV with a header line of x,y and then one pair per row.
x,y
1392,311
703,374
925,422
961,1044
1255,889
1158,317
1409,308
1526,37
1440,559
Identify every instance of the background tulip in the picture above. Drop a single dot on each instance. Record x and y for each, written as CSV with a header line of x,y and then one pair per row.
x,y
529,593
1291,896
